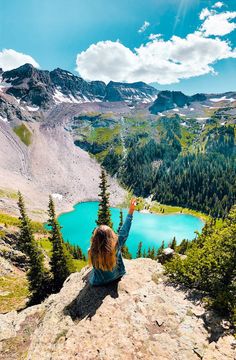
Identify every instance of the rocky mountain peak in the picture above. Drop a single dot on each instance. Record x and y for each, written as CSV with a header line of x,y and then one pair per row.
x,y
46,88
167,100
138,91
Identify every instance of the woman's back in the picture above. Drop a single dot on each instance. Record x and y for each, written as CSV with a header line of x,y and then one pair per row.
x,y
99,274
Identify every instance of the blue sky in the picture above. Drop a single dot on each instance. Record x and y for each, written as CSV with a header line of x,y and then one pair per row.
x,y
54,32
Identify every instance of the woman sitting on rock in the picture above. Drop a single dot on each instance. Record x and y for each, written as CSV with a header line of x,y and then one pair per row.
x,y
105,251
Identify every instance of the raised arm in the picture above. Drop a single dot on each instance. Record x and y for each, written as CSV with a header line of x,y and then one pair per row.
x,y
124,231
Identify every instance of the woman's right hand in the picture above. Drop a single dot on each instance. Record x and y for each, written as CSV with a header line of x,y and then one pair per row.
x,y
132,206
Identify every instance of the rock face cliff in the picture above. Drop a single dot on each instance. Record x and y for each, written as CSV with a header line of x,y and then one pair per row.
x,y
43,88
167,100
140,317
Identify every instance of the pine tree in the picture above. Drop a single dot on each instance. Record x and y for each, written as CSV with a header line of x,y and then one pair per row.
x,y
121,221
26,233
144,253
125,252
61,261
161,248
104,214
173,243
149,252
139,251
38,277
152,253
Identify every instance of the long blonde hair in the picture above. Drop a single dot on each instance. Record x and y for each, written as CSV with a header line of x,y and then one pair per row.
x,y
102,252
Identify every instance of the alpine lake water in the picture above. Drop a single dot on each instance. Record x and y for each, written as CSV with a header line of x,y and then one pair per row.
x,y
151,229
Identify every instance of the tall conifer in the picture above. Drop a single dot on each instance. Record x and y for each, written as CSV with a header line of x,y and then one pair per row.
x,y
121,221
61,261
104,213
139,251
37,276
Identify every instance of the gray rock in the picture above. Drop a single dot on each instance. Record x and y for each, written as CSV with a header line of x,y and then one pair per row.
x,y
124,320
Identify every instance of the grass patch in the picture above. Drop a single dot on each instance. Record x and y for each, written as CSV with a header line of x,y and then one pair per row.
x,y
24,134
103,134
79,264
5,193
168,209
10,220
13,294
186,137
46,245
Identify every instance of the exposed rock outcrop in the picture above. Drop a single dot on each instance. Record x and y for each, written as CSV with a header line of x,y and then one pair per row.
x,y
140,317
167,100
43,88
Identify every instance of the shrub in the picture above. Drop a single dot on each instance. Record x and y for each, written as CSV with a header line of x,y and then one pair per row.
x,y
210,264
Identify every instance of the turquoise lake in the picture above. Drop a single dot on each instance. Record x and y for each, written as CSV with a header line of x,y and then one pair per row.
x,y
151,229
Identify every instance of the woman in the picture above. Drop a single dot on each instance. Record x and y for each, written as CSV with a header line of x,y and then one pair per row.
x,y
105,251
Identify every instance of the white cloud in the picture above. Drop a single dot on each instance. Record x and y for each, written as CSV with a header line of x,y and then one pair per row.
x,y
145,25
154,36
205,13
11,59
158,60
218,5
218,24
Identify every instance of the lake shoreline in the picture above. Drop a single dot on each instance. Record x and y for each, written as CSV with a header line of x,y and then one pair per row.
x,y
168,211
148,226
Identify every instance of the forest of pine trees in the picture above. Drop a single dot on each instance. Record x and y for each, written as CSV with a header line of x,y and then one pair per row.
x,y
203,181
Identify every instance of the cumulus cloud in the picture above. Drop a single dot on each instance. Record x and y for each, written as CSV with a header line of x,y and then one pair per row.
x,y
217,24
158,60
145,25
11,59
218,5
206,13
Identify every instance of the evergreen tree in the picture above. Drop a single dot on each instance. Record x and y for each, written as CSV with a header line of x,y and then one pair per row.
x,y
173,243
121,221
139,251
38,277
152,253
61,260
104,214
144,253
161,248
125,252
182,247
210,264
149,252
26,233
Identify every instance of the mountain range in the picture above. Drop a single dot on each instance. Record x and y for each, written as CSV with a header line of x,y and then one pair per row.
x,y
127,128
44,89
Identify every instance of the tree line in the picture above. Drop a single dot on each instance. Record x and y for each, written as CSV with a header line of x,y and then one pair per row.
x,y
204,180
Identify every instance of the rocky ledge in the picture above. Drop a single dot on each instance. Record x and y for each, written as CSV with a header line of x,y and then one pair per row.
x,y
140,317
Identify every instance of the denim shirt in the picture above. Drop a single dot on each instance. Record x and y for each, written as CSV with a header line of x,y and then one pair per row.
x,y
101,277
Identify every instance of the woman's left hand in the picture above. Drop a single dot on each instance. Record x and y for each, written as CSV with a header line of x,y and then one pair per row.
x,y
132,206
